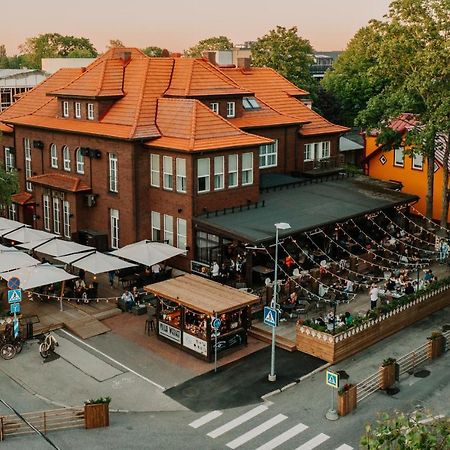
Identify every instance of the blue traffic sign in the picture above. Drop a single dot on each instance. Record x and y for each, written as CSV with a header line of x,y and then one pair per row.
x,y
16,325
270,316
332,379
14,283
216,323
14,296
14,308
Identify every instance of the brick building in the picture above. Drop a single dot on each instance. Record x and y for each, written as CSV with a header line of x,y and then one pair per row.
x,y
133,147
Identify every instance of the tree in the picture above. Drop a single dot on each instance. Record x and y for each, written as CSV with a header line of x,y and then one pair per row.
x,y
54,45
212,43
115,43
407,432
155,51
9,185
286,52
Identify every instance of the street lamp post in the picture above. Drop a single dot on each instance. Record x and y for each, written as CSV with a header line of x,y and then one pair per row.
x,y
274,303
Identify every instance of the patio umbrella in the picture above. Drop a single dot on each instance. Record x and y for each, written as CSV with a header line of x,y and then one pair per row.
x,y
39,275
11,258
25,234
95,262
7,224
147,252
56,247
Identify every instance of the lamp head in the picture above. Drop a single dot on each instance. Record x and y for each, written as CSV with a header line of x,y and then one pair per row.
x,y
282,226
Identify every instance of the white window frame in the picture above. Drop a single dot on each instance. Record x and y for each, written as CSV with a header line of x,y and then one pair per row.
x,y
181,174
231,109
215,107
90,111
168,228
155,179
12,211
28,163
114,225
77,110
9,160
168,173
53,156
66,219
396,154
247,169
79,159
219,173
113,173
156,226
56,215
203,174
308,152
181,237
65,109
325,150
66,158
233,172
46,211
417,161
268,155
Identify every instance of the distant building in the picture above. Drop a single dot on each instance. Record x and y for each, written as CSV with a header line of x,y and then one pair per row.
x,y
323,62
351,146
52,65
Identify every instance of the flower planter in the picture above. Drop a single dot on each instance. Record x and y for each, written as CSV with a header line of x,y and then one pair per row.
x,y
346,402
387,376
96,415
436,347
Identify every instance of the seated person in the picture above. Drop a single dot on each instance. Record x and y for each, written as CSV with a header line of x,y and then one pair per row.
x,y
409,289
136,295
390,285
428,275
127,296
348,318
79,287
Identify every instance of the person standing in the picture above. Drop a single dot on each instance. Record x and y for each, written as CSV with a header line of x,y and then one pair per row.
x,y
374,292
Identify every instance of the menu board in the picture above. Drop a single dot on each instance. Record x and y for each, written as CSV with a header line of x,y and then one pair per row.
x,y
174,334
195,344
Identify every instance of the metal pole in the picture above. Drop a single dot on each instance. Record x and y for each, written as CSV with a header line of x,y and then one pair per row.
x,y
418,275
334,315
272,376
215,347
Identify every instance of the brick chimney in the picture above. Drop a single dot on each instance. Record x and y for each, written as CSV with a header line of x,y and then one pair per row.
x,y
244,63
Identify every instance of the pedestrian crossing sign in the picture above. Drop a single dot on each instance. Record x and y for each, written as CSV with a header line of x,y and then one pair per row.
x,y
14,296
333,379
270,316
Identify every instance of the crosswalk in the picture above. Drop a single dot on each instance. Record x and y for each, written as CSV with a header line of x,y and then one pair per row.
x,y
251,427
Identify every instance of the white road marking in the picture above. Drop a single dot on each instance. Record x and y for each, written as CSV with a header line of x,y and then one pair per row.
x,y
345,447
256,431
114,361
283,437
205,419
314,442
238,421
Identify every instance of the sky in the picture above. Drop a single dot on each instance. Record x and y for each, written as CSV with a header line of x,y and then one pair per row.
x,y
179,24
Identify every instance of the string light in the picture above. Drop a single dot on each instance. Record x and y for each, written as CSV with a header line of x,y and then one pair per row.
x,y
429,220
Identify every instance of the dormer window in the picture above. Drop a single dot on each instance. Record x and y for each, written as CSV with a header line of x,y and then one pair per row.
x,y
90,111
250,103
215,107
231,109
65,109
77,110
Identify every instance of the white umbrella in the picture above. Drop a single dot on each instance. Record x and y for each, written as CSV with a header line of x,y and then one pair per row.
x,y
95,262
35,276
26,235
147,252
56,247
7,224
11,258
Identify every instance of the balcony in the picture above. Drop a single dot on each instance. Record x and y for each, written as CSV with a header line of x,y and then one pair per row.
x,y
323,166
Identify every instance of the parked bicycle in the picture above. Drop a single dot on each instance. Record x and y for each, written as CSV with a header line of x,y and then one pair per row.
x,y
47,345
10,346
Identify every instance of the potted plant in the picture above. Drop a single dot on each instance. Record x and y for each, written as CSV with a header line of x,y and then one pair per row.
x,y
387,373
436,344
96,412
346,399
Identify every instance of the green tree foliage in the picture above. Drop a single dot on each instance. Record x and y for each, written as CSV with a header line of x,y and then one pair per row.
x,y
155,51
402,432
212,43
115,43
9,184
289,54
54,45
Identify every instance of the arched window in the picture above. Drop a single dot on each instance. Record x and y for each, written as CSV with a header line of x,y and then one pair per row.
x,y
53,156
80,160
66,158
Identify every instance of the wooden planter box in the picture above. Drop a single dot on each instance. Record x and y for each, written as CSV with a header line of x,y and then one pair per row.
x,y
96,415
346,402
339,347
387,376
436,347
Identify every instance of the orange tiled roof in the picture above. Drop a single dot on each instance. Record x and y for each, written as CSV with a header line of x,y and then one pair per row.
x,y
23,198
190,125
70,183
198,78
5,129
280,94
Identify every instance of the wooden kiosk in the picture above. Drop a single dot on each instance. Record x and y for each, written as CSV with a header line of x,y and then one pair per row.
x,y
186,306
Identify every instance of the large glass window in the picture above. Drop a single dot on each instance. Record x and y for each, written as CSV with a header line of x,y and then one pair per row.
x,y
12,211
56,216
398,157
203,175
66,219
181,174
231,109
156,226
46,209
66,158
308,153
219,181
167,173
325,151
208,249
80,160
268,155
113,173
168,229
247,169
417,161
114,223
9,159
154,171
54,156
233,168
28,171
181,234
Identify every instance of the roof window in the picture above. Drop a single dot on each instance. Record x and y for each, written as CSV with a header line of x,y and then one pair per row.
x,y
250,103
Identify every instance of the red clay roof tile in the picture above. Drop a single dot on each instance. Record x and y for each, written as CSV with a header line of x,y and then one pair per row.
x,y
23,198
70,183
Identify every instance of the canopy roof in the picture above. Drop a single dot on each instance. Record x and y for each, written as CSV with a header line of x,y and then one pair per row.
x,y
147,252
25,234
11,258
95,262
39,275
7,224
202,295
56,247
